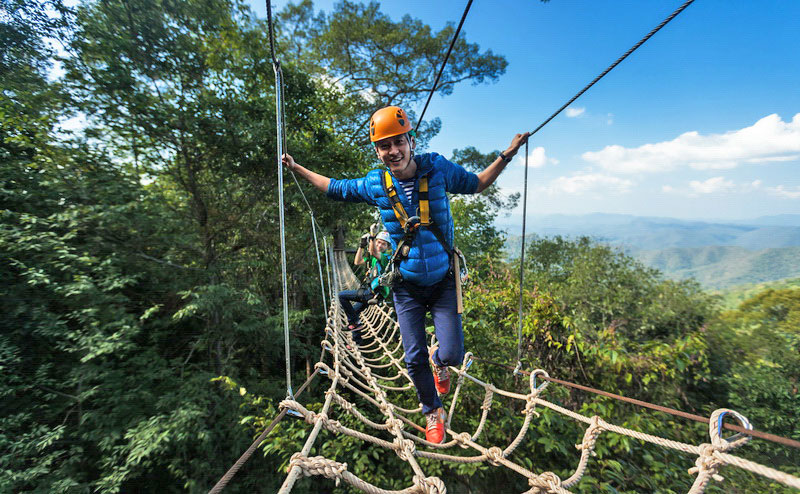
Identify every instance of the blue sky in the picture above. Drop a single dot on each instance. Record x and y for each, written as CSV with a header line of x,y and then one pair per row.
x,y
702,122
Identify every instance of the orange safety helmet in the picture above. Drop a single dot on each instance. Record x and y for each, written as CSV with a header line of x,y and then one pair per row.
x,y
388,122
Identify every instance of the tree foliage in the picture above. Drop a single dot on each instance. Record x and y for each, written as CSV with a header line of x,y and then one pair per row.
x,y
374,61
142,343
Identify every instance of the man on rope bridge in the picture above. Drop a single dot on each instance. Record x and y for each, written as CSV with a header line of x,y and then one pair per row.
x,y
422,271
372,251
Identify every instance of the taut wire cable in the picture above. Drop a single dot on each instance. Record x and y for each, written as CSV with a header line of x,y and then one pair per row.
x,y
522,260
611,67
280,145
444,63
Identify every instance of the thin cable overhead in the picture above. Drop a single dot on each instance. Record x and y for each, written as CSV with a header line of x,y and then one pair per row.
x,y
522,260
611,67
551,117
444,63
282,138
280,116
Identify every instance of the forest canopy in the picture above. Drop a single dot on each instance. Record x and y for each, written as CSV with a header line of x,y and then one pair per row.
x,y
141,346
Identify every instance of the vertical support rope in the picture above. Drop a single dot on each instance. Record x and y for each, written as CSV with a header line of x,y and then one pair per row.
x,y
279,123
281,145
319,265
271,33
328,267
444,63
522,260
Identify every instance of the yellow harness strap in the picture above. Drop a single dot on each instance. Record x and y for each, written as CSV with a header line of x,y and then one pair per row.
x,y
424,207
397,206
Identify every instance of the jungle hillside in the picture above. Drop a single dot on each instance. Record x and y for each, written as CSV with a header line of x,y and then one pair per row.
x,y
141,343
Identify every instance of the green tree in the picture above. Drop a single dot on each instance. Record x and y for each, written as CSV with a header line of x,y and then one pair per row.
x,y
374,61
756,363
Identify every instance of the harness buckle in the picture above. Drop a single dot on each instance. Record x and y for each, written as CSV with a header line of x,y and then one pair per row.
x,y
411,225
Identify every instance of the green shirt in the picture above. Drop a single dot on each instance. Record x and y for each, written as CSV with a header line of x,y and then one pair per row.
x,y
376,267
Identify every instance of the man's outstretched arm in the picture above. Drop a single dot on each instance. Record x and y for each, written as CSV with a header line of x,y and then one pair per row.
x,y
321,182
491,172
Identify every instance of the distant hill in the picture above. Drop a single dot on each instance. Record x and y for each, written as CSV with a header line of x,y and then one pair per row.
x,y
635,233
735,295
720,267
717,254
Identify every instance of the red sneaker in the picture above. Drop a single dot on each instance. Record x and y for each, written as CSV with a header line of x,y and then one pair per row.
x,y
355,327
441,378
434,432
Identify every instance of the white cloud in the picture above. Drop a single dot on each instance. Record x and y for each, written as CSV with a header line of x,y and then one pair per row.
x,y
587,182
711,186
785,192
610,119
536,158
768,140
575,112
718,185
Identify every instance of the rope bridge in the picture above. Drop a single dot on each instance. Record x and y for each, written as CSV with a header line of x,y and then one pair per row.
x,y
376,371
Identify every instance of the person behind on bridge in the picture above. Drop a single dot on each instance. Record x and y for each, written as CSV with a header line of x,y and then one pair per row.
x,y
372,251
426,282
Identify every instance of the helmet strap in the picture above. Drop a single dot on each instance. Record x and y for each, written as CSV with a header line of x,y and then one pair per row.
x,y
411,133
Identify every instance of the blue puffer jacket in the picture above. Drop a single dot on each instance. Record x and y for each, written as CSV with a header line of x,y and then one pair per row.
x,y
427,262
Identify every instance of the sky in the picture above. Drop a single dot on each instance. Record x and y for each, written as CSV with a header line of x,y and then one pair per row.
x,y
701,122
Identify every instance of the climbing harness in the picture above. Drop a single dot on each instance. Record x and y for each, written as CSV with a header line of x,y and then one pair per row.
x,y
411,226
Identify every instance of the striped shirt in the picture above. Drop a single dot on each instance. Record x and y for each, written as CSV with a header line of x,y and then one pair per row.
x,y
408,186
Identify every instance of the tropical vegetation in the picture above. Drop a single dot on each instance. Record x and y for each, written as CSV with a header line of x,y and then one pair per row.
x,y
141,348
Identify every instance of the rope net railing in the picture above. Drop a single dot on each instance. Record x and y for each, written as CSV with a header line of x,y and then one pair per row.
x,y
375,372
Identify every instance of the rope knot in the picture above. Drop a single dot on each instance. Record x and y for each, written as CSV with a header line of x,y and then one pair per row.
x,y
590,436
430,485
318,465
545,483
530,405
333,425
396,425
706,465
463,439
297,460
346,405
494,455
487,400
404,448
312,417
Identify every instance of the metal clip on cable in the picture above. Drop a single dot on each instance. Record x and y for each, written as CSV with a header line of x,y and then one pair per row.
x,y
412,225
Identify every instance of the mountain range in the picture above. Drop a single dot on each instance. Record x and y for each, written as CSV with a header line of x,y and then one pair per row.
x,y
718,254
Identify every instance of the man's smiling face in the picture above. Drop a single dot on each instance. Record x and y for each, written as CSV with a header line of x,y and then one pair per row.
x,y
395,152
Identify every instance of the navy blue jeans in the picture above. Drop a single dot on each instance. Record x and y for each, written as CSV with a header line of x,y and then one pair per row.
x,y
412,302
354,302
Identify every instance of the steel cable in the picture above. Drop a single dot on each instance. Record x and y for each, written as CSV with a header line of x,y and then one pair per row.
x,y
611,67
444,63
522,259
